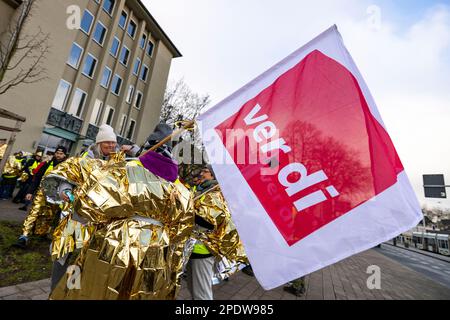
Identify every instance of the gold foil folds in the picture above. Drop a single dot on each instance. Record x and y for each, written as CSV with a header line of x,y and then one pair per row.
x,y
12,167
141,222
223,241
42,216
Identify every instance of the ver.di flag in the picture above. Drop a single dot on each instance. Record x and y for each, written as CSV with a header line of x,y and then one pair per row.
x,y
306,165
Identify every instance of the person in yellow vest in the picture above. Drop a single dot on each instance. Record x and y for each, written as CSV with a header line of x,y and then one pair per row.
x,y
40,210
27,179
11,172
216,243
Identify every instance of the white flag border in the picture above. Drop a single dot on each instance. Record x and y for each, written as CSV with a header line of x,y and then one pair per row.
x,y
268,251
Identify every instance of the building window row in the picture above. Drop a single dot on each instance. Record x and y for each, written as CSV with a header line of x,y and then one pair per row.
x,y
79,99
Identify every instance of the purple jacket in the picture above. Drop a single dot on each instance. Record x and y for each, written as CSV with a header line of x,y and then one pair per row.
x,y
160,165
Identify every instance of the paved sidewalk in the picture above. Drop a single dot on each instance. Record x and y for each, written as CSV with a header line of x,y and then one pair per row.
x,y
345,280
9,211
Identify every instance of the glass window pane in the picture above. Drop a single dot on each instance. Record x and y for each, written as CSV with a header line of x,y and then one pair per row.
x,y
95,116
75,55
150,48
78,99
109,116
138,100
108,5
130,94
115,47
105,77
144,73
143,41
131,130
61,95
122,124
116,84
132,29
99,34
137,64
124,55
89,66
123,20
86,22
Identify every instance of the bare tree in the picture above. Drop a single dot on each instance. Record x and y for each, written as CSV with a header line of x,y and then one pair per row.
x,y
21,56
181,103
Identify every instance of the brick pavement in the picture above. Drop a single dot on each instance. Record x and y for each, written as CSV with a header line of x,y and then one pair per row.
x,y
345,280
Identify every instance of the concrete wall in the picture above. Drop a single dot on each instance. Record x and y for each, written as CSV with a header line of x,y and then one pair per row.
x,y
155,96
34,100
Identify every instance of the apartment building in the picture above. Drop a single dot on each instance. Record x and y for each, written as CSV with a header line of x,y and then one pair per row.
x,y
113,69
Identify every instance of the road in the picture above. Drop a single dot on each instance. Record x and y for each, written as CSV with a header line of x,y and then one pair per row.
x,y
435,269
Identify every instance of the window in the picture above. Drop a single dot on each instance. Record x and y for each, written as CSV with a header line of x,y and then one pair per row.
x,y
116,85
106,76
150,48
108,6
78,100
89,66
137,64
60,99
138,101
123,20
100,33
132,28
143,41
108,116
115,47
75,55
124,55
123,123
130,94
144,73
86,22
96,113
130,132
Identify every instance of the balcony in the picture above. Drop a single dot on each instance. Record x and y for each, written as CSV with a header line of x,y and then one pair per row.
x,y
122,141
91,132
64,121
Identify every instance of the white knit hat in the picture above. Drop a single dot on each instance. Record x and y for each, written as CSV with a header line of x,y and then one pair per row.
x,y
105,133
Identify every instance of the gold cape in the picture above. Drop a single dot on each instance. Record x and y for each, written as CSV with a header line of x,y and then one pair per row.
x,y
223,241
12,167
141,223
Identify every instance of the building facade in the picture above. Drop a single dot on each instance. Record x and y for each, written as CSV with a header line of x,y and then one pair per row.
x,y
111,68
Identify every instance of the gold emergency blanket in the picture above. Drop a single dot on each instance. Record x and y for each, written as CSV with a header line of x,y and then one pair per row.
x,y
141,225
68,236
12,167
224,240
41,218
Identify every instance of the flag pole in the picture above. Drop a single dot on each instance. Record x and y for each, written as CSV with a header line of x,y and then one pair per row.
x,y
188,125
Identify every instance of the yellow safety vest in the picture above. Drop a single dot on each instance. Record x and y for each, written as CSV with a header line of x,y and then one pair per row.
x,y
34,166
200,248
50,168
10,176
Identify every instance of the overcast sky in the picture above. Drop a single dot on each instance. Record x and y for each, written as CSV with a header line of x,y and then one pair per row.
x,y
401,47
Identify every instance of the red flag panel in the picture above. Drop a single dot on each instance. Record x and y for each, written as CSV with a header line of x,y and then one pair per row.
x,y
330,154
